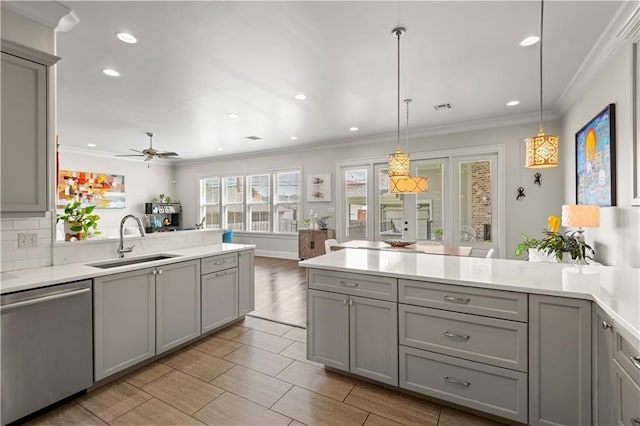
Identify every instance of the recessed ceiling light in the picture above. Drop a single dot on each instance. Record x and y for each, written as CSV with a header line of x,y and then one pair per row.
x,y
220,149
127,38
300,96
528,41
233,115
353,129
294,138
111,73
92,145
513,103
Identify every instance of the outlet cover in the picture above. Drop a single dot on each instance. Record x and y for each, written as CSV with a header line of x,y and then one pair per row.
x,y
27,240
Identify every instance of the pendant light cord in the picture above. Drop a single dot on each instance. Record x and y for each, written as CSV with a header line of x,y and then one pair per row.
x,y
541,38
398,33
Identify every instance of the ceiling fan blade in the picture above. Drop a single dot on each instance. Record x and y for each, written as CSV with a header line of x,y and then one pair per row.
x,y
167,154
135,150
129,155
149,158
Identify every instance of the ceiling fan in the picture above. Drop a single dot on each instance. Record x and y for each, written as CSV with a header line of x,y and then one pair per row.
x,y
151,153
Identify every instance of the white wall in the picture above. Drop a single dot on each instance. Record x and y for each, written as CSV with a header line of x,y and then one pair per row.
x,y
617,240
529,215
141,183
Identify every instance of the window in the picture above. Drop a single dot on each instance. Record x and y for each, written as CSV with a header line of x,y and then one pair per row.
x,y
271,201
287,201
259,202
210,202
233,202
356,205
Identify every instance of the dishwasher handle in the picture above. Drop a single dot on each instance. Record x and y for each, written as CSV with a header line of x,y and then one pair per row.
x,y
43,299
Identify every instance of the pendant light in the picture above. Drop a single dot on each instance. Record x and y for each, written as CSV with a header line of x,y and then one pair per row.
x,y
541,150
399,164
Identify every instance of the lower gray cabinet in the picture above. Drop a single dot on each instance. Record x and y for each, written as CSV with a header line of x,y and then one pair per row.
x,y
124,320
246,282
559,361
355,334
627,396
219,299
177,304
602,364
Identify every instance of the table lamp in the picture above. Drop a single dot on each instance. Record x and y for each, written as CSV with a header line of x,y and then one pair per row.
x,y
581,216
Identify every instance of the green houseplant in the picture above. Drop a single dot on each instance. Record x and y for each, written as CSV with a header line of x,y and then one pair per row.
x,y
557,244
526,244
78,220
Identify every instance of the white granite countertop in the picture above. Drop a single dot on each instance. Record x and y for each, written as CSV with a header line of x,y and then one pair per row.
x,y
616,290
27,279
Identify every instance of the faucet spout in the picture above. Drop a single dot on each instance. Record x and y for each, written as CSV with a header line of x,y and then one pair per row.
x,y
121,248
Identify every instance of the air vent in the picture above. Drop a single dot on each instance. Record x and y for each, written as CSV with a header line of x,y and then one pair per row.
x,y
253,138
441,107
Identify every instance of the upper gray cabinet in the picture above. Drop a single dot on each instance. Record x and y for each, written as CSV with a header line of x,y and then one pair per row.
x,y
24,129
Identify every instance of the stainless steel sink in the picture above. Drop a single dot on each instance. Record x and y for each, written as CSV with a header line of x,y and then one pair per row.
x,y
130,261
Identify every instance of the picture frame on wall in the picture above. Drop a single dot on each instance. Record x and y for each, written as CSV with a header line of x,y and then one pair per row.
x,y
596,160
318,187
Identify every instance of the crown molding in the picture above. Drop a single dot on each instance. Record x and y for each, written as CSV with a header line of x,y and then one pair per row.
x,y
607,45
52,14
631,29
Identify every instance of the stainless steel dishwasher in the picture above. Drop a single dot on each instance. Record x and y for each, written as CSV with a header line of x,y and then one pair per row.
x,y
46,339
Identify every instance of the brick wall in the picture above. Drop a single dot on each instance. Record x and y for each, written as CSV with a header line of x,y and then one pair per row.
x,y
481,198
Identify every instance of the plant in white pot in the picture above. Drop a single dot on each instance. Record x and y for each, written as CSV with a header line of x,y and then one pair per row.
x,y
79,223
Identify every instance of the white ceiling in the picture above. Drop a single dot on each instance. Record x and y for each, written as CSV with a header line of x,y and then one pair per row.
x,y
197,61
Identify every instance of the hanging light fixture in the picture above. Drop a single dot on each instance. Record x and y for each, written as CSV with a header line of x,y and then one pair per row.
x,y
542,150
399,164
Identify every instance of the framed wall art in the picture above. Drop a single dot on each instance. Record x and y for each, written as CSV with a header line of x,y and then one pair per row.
x,y
596,160
318,187
104,190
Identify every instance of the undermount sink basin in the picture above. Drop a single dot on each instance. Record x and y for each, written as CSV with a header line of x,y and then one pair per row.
x,y
130,261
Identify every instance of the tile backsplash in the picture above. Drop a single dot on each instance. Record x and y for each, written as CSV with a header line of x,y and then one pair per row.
x,y
13,258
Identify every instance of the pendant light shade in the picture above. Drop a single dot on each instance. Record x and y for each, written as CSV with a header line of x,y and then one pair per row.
x,y
400,182
541,150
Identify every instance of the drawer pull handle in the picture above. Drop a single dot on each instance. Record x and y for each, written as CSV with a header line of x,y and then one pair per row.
x,y
635,360
344,301
463,300
605,325
349,284
220,263
636,421
459,336
457,382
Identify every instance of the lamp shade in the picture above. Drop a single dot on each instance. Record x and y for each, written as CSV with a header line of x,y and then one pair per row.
x,y
408,184
399,163
581,215
542,151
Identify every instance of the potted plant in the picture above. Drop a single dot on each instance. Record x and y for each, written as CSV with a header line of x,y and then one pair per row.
x,y
527,245
555,243
78,221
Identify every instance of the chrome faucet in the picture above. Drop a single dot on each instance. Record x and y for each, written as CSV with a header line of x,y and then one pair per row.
x,y
121,248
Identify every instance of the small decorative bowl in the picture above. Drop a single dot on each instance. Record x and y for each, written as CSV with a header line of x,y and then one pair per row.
x,y
399,243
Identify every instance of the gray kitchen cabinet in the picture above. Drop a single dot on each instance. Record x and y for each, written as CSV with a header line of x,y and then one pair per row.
x,y
627,396
246,282
602,364
124,320
355,334
219,299
24,129
177,304
559,361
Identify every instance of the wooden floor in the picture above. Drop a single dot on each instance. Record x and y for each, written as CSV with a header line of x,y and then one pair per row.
x,y
281,291
252,373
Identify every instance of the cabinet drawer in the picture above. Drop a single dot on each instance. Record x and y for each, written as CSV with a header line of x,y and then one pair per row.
x,y
490,389
626,350
383,288
493,341
491,303
627,395
218,263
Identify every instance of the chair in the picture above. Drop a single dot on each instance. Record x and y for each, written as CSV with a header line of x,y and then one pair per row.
x,y
489,254
328,243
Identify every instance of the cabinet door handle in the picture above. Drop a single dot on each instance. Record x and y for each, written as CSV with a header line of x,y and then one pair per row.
x,y
605,325
348,284
464,383
350,302
159,271
463,300
459,336
344,301
154,272
635,360
220,274
636,421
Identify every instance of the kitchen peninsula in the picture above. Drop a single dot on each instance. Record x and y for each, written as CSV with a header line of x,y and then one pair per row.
x,y
521,340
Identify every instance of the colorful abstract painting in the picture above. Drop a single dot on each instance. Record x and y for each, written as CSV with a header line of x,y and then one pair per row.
x,y
103,190
595,160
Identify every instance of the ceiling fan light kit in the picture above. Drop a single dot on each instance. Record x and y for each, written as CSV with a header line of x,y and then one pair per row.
x,y
151,153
